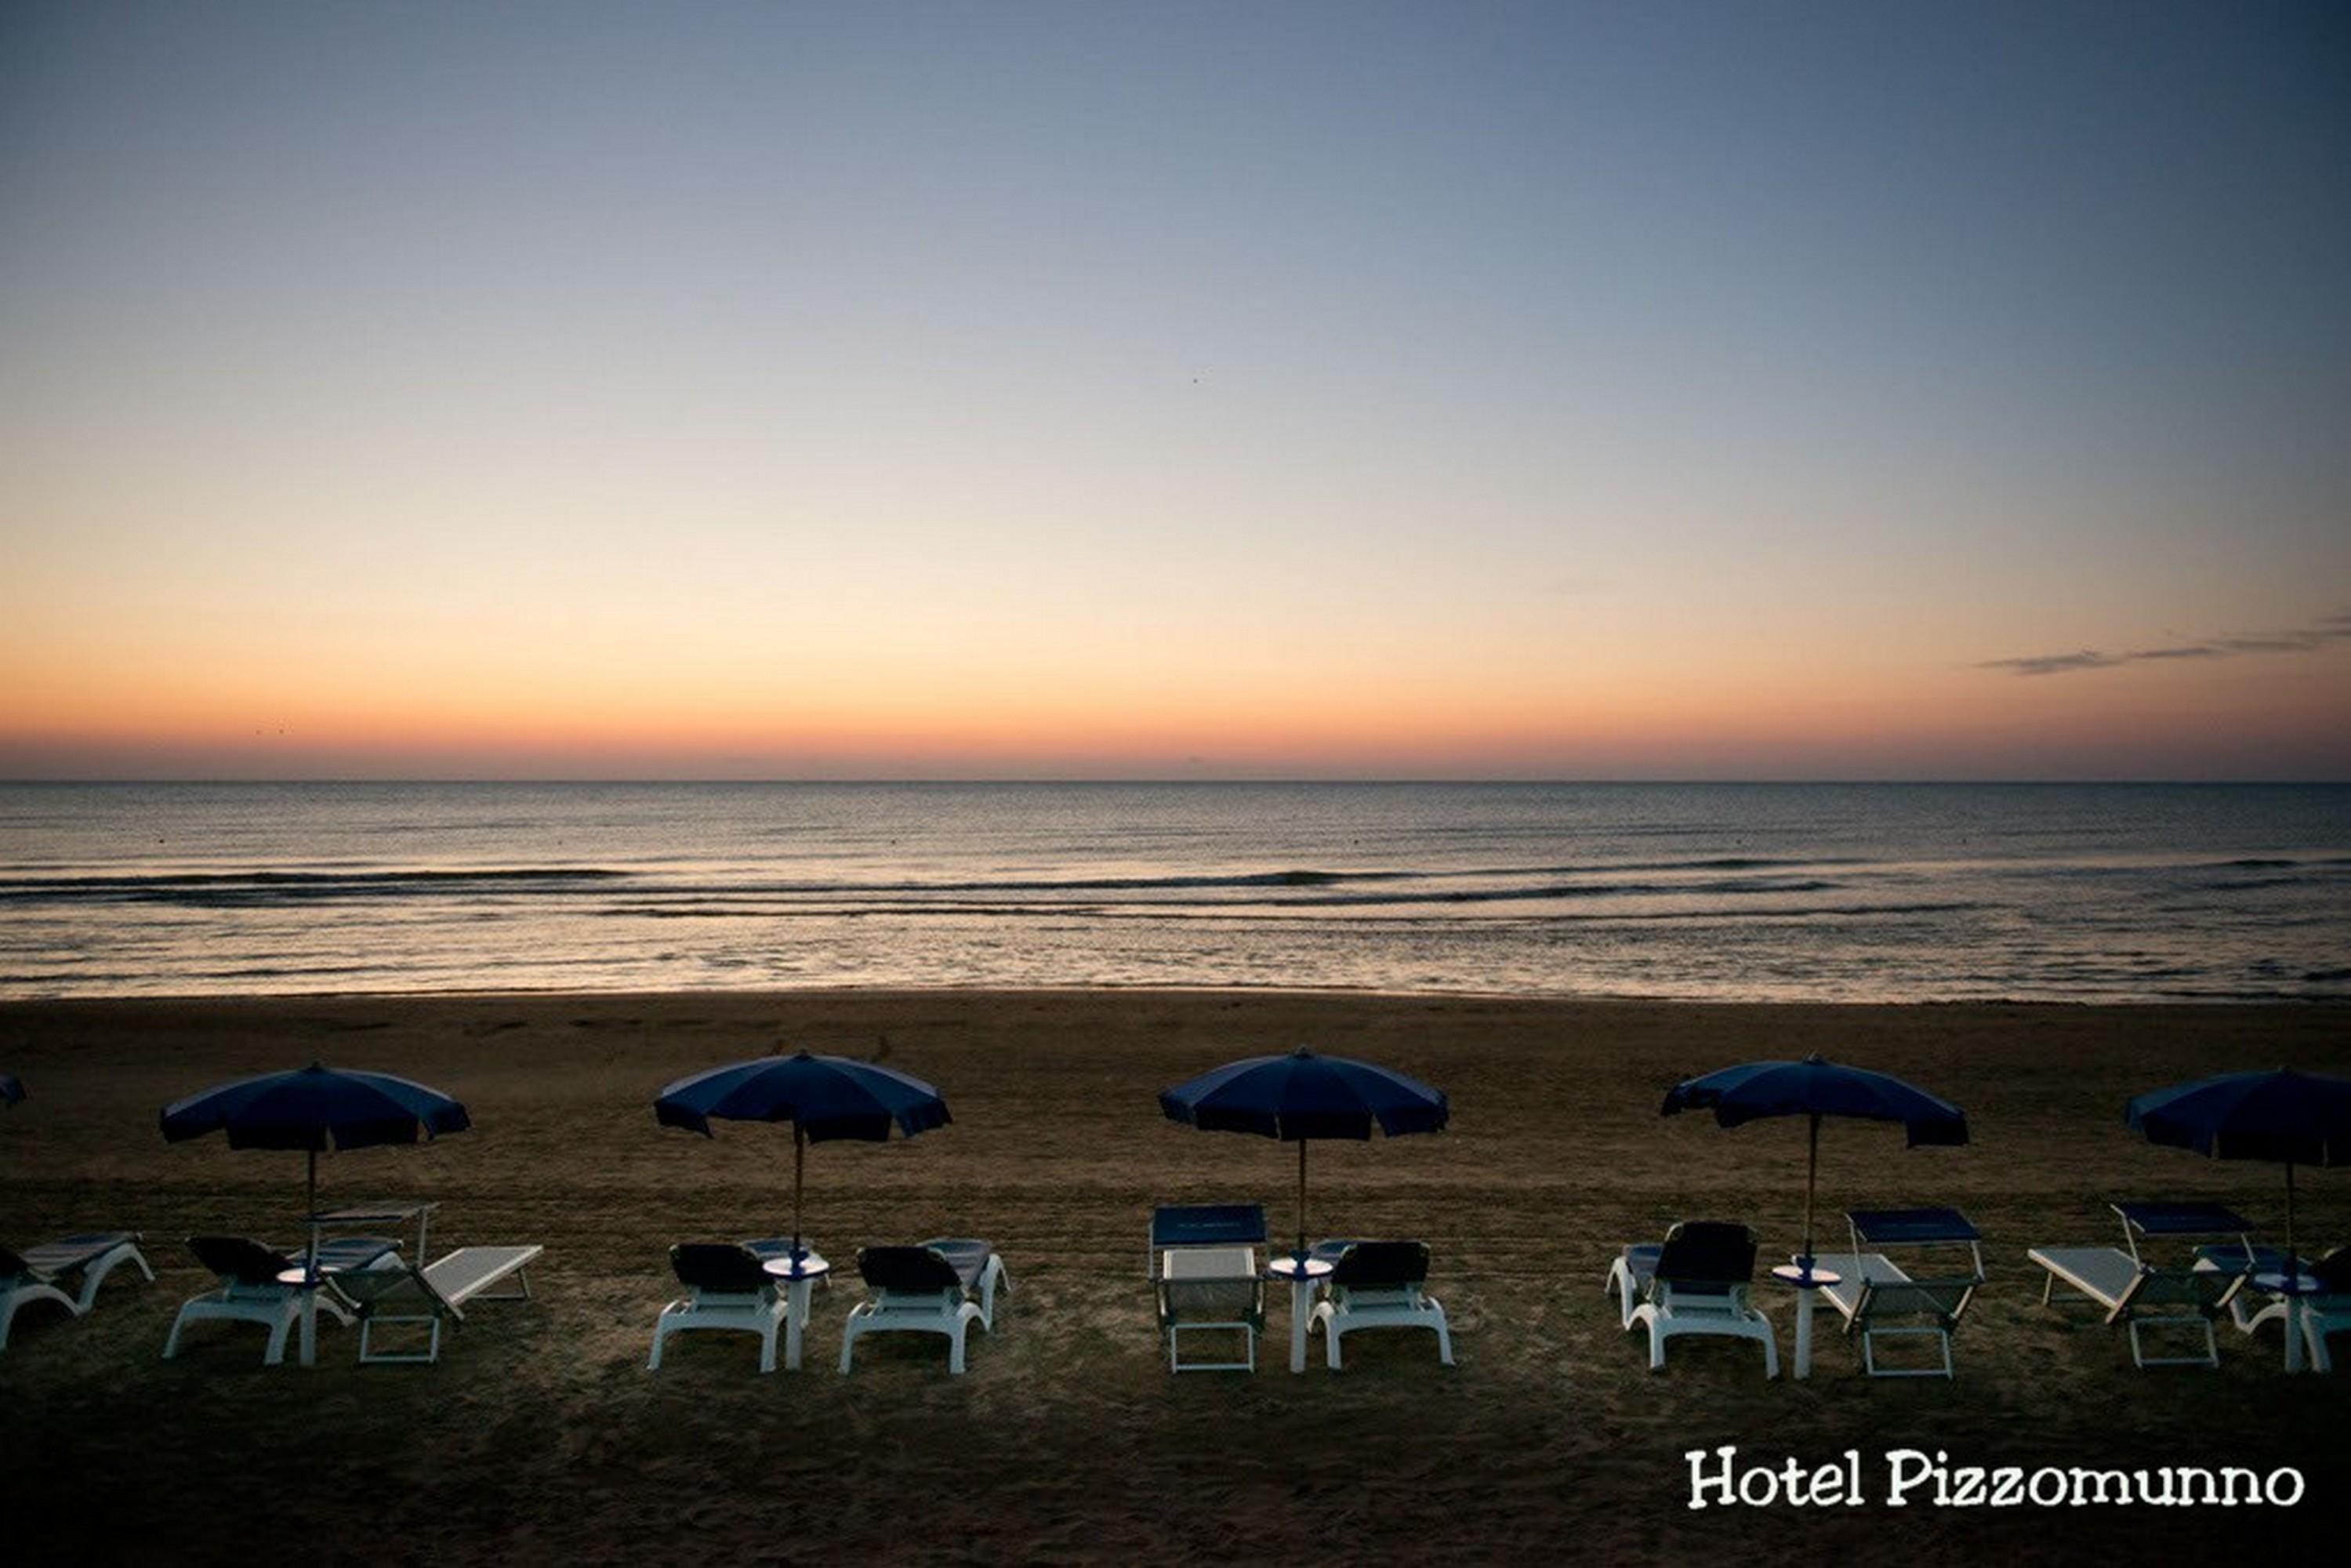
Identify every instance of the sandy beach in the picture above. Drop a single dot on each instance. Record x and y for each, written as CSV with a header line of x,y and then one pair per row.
x,y
540,1434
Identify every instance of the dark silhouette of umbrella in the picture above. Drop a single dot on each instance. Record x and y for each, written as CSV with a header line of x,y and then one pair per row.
x,y
1301,1096
11,1089
1815,1088
312,1109
2289,1117
823,1097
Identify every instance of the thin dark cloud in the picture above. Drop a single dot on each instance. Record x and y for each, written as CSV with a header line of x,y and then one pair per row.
x,y
2328,631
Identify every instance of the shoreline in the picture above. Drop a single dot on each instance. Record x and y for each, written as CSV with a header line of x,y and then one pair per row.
x,y
541,1435
1153,987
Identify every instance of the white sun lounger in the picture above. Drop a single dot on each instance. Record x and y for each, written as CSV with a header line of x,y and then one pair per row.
x,y
940,1287
254,1288
1698,1283
1879,1298
1378,1285
727,1287
406,1295
43,1273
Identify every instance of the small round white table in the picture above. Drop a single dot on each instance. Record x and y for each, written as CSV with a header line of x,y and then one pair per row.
x,y
798,1275
1302,1273
1805,1280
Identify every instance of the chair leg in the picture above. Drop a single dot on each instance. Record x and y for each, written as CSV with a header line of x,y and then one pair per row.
x,y
28,1293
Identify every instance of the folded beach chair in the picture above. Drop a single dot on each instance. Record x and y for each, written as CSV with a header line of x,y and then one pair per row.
x,y
1214,1225
68,1271
405,1294
727,1287
943,1286
1700,1284
1215,1289
1377,1285
1879,1298
251,1289
2145,1295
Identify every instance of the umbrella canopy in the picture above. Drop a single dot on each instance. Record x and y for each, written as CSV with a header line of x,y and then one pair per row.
x,y
2292,1118
11,1089
823,1097
315,1108
1301,1096
1815,1088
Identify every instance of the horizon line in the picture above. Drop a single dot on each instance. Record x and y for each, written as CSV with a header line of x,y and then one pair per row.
x,y
1154,782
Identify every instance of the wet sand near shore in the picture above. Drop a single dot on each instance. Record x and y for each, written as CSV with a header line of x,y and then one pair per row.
x,y
540,1434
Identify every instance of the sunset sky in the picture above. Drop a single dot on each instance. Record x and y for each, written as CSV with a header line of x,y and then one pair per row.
x,y
1100,390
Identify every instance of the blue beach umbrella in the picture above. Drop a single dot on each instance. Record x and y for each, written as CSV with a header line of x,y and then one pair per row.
x,y
2292,1118
823,1097
1301,1096
1815,1088
315,1108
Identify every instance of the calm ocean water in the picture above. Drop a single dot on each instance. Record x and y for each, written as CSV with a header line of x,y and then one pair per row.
x,y
1824,891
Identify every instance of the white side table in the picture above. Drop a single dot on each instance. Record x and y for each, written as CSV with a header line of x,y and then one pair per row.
x,y
798,1275
1302,1274
1805,1280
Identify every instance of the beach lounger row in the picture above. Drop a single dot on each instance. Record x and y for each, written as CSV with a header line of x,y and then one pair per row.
x,y
1209,1289
1698,1281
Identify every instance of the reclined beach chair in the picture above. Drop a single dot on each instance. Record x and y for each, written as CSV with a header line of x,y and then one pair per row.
x,y
1377,1285
1881,1300
941,1287
1700,1284
2144,1295
1214,1225
406,1294
1215,1289
68,1271
251,1289
2327,1312
1629,1277
727,1287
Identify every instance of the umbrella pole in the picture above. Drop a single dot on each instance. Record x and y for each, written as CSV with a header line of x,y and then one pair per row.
x,y
310,1213
1301,1199
800,1147
2292,1258
1811,1173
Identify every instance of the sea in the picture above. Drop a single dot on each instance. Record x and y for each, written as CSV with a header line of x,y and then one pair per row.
x,y
2091,892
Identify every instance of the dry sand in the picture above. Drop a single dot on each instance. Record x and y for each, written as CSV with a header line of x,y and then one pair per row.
x,y
541,1436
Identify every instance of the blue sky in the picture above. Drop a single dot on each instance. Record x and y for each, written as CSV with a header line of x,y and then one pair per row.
x,y
1662,391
